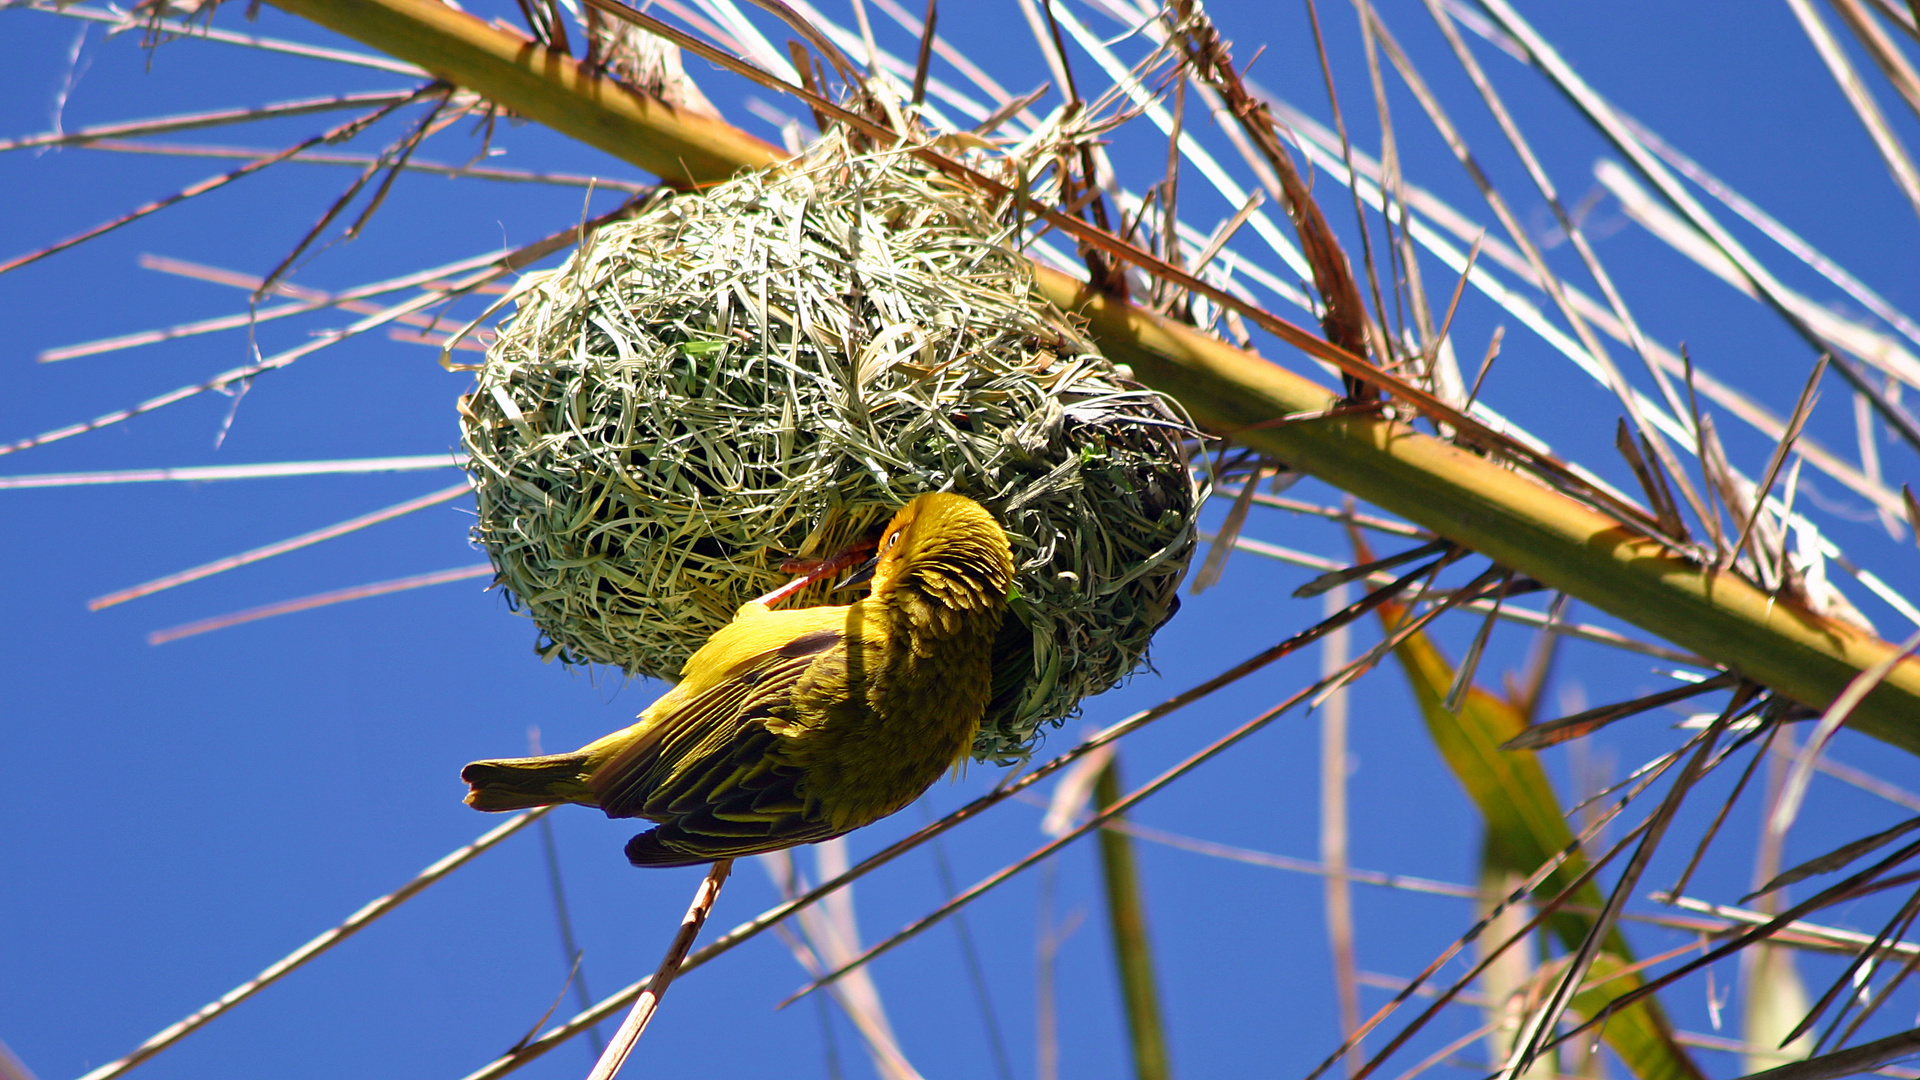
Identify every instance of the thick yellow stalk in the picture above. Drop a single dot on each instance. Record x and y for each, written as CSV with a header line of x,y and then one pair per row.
x,y
682,148
1505,516
1457,494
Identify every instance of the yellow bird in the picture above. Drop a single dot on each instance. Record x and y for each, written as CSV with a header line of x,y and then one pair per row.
x,y
790,727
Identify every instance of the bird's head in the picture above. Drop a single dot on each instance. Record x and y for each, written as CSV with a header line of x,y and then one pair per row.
x,y
945,542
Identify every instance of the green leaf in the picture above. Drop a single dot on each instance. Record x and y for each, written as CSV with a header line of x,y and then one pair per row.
x,y
1525,828
1127,915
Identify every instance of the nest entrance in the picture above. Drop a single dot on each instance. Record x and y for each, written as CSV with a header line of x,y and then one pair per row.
x,y
768,370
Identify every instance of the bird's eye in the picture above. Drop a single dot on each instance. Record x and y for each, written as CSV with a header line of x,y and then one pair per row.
x,y
892,539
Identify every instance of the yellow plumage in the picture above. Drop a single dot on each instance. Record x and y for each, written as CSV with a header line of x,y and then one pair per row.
x,y
790,727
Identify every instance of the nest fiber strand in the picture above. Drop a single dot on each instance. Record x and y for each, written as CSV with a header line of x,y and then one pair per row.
x,y
766,372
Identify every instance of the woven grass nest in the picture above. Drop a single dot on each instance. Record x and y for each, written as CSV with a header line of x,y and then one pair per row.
x,y
765,372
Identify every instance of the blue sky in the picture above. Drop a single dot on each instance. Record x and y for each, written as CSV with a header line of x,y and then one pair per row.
x,y
182,815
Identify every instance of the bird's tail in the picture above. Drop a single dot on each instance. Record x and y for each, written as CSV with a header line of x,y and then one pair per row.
x,y
519,783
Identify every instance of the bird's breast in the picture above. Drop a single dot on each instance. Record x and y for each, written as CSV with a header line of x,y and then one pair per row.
x,y
907,711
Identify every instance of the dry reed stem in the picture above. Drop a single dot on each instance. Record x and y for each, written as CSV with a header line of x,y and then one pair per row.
x,y
281,547
1556,290
874,1031
1817,938
437,99
318,600
1314,140
213,183
644,1006
1601,112
160,125
1528,1047
1885,991
1554,732
1702,1041
1635,338
1855,979
1317,141
1774,230
1343,515
495,268
1637,782
1801,935
1801,409
1806,935
430,168
1491,918
1847,774
835,932
1883,351
1858,1059
1836,714
1899,163
354,923
305,300
1335,654
151,27
1840,892
247,372
202,473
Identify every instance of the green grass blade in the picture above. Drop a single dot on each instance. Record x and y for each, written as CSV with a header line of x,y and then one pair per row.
x,y
1525,828
1127,915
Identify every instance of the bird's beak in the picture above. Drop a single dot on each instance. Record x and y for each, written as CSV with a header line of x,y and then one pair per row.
x,y
863,572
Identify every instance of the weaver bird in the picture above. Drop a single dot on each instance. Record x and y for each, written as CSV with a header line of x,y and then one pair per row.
x,y
790,727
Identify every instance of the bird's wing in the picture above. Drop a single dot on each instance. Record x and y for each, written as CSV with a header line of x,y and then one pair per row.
x,y
707,769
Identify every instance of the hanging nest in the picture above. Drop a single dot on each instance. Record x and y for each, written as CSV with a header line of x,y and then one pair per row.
x,y
765,372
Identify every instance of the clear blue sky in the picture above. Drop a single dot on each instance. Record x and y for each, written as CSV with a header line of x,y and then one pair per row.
x,y
179,816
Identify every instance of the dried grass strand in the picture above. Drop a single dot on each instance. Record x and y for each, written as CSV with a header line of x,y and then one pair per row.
x,y
648,1001
280,547
354,923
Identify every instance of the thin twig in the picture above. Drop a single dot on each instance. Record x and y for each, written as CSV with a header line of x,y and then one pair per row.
x,y
343,131
433,498
569,947
318,600
202,473
1857,1059
1604,116
1856,691
1801,409
499,267
1335,654
159,125
431,168
1527,1048
121,20
648,1002
1892,151
355,923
